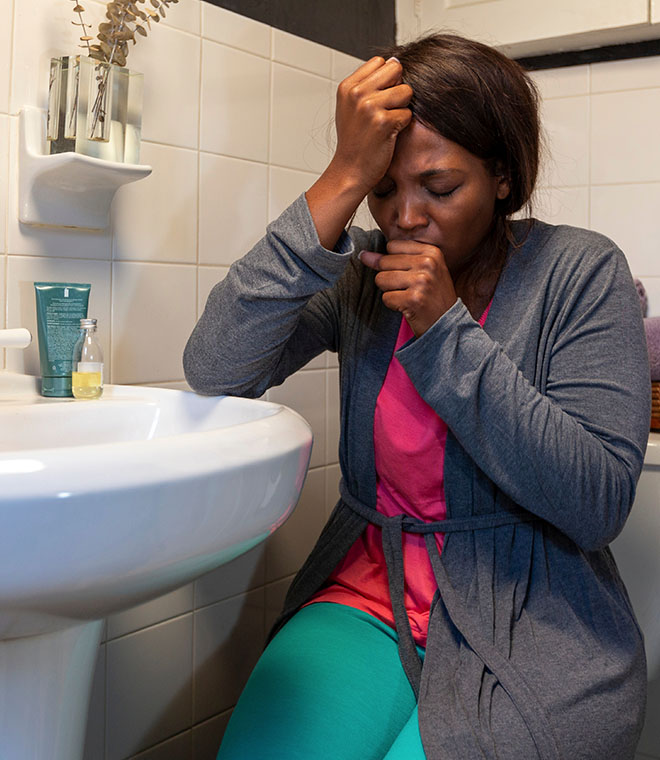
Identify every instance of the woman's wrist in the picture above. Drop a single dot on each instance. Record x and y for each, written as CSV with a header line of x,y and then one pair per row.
x,y
332,201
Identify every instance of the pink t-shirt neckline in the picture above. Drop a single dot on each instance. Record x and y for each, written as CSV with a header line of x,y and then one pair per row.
x,y
409,447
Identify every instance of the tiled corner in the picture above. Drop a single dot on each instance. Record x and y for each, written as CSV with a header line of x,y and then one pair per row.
x,y
563,82
636,231
566,124
170,62
165,607
635,73
149,687
41,241
233,206
305,393
24,271
235,30
301,125
562,205
302,53
4,180
153,315
229,638
234,109
289,546
141,231
285,186
208,735
624,139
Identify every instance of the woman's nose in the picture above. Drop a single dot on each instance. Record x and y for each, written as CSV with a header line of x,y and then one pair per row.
x,y
410,214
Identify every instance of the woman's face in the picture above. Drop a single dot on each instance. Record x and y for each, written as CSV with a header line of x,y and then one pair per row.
x,y
436,192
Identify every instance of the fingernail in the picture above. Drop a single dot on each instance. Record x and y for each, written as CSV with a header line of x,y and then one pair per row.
x,y
393,58
360,254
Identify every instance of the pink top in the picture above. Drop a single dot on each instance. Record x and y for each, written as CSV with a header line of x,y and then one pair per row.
x,y
409,449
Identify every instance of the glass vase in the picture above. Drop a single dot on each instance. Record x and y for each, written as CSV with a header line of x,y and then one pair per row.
x,y
94,108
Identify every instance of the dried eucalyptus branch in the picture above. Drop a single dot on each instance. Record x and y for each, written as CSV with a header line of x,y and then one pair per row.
x,y
125,19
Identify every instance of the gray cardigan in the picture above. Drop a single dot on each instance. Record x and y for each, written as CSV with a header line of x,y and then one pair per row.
x,y
533,648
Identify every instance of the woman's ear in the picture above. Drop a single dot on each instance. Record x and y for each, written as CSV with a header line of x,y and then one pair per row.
x,y
503,187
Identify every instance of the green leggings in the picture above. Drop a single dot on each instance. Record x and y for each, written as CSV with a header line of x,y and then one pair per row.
x,y
329,685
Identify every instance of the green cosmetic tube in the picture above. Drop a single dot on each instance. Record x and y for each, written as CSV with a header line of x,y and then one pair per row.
x,y
60,307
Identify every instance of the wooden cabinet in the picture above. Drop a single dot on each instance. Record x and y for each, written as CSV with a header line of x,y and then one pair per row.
x,y
533,27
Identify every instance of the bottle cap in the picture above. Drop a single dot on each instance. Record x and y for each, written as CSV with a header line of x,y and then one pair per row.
x,y
87,323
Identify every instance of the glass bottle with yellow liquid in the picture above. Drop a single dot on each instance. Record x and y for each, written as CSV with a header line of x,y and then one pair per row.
x,y
87,375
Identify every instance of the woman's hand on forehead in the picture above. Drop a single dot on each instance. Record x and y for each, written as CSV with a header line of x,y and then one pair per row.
x,y
371,112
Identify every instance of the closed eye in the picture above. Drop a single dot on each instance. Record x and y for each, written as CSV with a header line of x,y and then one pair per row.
x,y
444,193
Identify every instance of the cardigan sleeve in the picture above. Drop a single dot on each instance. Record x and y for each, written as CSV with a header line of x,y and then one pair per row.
x,y
274,311
571,452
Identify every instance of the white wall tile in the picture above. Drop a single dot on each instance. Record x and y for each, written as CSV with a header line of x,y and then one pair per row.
x,y
177,748
566,123
170,62
4,180
234,109
6,14
155,219
95,733
562,205
285,186
54,241
208,735
305,392
186,15
343,65
563,82
301,126
24,271
233,206
221,25
165,607
207,277
634,73
637,229
153,315
242,574
43,30
149,687
229,638
288,548
624,137
302,53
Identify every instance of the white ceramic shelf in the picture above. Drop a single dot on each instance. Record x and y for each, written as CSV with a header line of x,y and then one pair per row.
x,y
67,189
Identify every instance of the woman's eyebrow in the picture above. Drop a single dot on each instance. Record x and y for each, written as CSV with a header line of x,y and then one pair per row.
x,y
438,172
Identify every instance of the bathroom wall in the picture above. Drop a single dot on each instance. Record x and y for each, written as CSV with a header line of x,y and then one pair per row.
x,y
237,123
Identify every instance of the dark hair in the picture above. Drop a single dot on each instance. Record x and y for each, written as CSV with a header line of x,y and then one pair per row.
x,y
477,97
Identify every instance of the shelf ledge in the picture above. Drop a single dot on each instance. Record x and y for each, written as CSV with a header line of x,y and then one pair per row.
x,y
67,189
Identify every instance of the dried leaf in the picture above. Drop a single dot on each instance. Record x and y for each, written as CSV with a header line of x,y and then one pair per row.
x,y
141,30
78,9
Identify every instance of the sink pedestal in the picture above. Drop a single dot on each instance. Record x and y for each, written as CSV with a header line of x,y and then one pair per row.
x,y
45,685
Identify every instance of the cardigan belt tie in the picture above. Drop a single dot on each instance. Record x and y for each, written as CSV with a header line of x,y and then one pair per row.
x,y
392,536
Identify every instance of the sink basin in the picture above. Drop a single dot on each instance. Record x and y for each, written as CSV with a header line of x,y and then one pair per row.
x,y
108,503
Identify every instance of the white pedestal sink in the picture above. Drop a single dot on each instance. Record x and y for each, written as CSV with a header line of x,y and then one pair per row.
x,y
105,504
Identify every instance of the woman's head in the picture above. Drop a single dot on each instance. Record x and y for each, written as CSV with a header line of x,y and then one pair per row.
x,y
477,97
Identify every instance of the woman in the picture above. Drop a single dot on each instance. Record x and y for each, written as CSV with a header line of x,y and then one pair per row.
x,y
494,416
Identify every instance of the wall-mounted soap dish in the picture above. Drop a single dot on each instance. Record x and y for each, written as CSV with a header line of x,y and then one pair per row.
x,y
66,189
